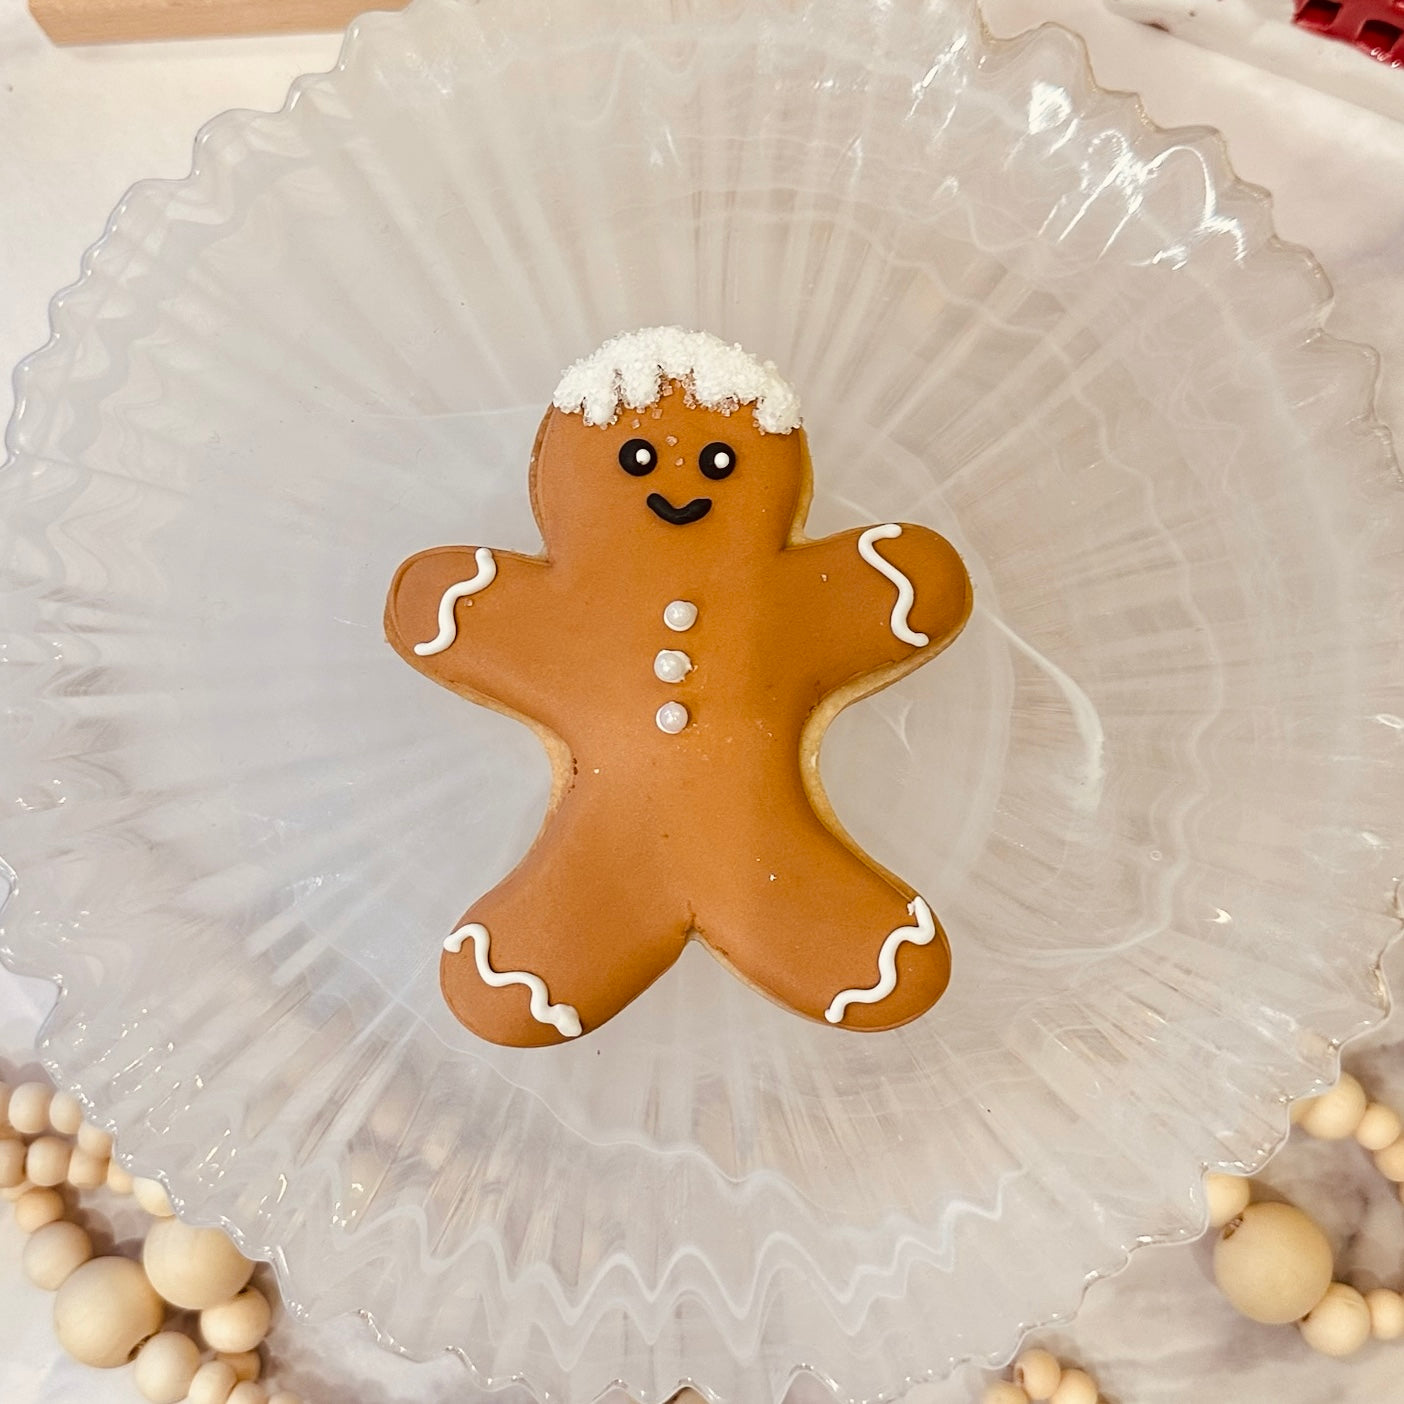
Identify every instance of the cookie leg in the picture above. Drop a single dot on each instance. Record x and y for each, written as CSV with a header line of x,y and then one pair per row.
x,y
569,938
823,933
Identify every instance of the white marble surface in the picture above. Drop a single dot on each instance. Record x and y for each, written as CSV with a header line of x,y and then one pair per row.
x,y
79,126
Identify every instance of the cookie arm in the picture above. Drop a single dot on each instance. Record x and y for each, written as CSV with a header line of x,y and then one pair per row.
x,y
877,597
467,617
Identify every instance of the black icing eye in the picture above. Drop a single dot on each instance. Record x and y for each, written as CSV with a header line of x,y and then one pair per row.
x,y
638,457
717,461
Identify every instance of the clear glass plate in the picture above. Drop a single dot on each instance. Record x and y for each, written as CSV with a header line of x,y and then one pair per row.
x,y
1153,791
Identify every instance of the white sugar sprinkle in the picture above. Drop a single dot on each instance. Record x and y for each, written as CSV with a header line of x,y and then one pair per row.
x,y
632,369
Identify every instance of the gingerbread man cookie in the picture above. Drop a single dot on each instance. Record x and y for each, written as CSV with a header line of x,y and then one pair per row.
x,y
681,648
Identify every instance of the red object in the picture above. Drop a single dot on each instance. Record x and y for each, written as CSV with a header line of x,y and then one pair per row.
x,y
1376,27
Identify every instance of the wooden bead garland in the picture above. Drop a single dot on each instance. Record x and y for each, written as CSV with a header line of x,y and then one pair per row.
x,y
152,1196
1334,1115
246,1364
165,1367
105,1310
94,1140
12,1153
65,1113
1273,1262
29,1108
192,1267
86,1171
54,1253
1075,1387
1038,1376
237,1325
110,1310
1339,1324
1037,1373
46,1161
38,1207
213,1383
1003,1392
1386,1314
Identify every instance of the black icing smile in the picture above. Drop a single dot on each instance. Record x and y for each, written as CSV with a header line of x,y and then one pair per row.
x,y
693,511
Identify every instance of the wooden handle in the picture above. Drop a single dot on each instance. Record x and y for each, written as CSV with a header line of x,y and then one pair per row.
x,y
108,21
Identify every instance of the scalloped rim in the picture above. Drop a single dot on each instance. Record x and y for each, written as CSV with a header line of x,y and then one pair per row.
x,y
1367,368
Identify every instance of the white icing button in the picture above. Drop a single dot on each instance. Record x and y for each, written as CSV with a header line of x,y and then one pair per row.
x,y
671,665
671,717
680,616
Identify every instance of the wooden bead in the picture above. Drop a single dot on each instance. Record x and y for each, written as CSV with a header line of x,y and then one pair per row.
x,y
213,1383
29,1107
1273,1263
237,1325
1379,1127
165,1367
997,1392
246,1364
54,1253
1335,1114
46,1161
286,1396
1386,1314
1390,1161
1075,1387
86,1171
1339,1324
1037,1373
1227,1197
94,1140
118,1180
247,1392
38,1207
65,1113
12,1153
105,1311
152,1196
192,1267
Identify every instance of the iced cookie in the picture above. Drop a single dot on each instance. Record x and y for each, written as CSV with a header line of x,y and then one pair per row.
x,y
681,648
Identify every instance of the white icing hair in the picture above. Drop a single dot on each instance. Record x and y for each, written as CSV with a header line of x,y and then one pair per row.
x,y
630,370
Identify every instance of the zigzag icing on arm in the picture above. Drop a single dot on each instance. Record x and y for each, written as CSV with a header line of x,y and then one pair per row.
x,y
562,1016
448,628
919,935
906,595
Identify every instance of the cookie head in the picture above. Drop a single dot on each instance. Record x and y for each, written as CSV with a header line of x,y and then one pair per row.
x,y
672,436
